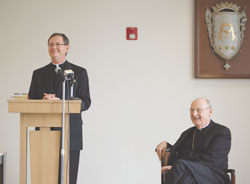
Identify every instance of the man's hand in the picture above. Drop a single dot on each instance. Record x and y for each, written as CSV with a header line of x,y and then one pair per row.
x,y
49,97
161,149
165,168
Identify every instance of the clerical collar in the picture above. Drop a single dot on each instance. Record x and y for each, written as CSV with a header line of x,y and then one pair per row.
x,y
204,126
58,64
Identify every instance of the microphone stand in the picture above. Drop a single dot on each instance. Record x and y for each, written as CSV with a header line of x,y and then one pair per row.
x,y
67,75
63,132
63,126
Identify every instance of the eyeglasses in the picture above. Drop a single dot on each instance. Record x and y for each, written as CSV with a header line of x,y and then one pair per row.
x,y
55,44
198,110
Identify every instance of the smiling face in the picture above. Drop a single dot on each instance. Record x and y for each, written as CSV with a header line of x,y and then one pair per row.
x,y
200,112
57,49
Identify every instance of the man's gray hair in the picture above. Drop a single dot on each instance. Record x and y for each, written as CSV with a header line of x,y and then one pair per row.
x,y
208,103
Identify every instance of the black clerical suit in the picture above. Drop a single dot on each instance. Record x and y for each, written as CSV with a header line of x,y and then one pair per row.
x,y
46,80
200,156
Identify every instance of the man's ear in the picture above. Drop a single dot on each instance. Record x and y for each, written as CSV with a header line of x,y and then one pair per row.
x,y
67,48
211,110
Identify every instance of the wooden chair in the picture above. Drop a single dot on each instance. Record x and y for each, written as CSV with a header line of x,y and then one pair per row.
x,y
231,172
164,162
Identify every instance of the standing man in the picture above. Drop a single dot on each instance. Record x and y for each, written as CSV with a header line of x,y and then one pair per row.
x,y
47,84
200,155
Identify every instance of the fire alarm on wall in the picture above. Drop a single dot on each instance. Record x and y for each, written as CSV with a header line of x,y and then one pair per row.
x,y
132,33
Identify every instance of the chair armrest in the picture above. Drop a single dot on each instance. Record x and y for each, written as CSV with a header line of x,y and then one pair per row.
x,y
232,175
164,160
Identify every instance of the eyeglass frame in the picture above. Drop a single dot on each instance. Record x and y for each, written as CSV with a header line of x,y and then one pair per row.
x,y
199,110
56,44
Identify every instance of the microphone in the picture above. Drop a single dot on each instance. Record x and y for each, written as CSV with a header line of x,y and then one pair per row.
x,y
68,74
59,71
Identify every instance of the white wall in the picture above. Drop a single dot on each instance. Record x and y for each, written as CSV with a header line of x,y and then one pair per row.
x,y
141,90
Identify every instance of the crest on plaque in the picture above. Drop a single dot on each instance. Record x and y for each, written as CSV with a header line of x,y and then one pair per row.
x,y
226,27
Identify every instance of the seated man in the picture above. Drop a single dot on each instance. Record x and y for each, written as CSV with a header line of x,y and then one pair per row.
x,y
200,155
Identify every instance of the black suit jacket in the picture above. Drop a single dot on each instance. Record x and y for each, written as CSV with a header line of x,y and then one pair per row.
x,y
45,80
211,147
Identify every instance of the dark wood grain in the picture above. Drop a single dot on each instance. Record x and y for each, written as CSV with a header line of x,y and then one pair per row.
x,y
209,64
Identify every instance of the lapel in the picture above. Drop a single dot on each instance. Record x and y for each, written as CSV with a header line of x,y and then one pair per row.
x,y
49,79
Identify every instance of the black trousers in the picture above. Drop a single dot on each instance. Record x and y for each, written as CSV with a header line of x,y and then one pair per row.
x,y
73,167
186,172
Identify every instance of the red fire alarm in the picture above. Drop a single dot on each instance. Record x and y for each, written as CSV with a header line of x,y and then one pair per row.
x,y
132,33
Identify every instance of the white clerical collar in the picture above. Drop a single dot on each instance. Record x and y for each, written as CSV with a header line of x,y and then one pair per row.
x,y
58,64
203,127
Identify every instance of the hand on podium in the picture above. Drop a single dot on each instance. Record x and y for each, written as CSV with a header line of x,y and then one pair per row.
x,y
50,97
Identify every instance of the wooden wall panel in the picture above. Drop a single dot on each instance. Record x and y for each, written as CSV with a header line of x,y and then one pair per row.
x,y
209,64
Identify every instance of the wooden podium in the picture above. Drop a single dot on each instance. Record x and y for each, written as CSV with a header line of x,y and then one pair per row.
x,y
44,144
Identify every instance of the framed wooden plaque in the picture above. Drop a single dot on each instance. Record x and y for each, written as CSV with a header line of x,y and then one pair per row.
x,y
208,64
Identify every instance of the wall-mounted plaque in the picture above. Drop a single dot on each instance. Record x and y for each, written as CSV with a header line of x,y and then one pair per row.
x,y
222,39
